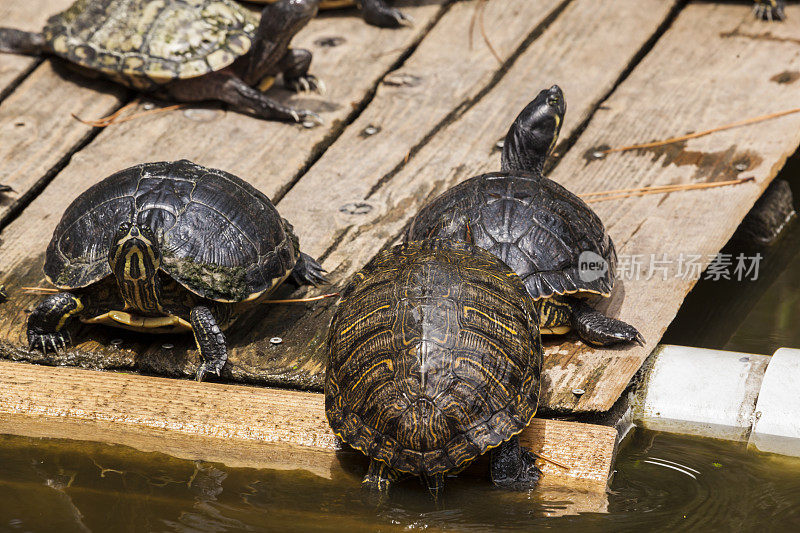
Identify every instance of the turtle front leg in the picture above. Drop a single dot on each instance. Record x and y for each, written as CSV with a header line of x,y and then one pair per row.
x,y
770,9
377,13
224,86
47,323
596,329
210,341
307,271
513,467
295,65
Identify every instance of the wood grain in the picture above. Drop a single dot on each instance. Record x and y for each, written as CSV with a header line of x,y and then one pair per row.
x,y
28,15
208,420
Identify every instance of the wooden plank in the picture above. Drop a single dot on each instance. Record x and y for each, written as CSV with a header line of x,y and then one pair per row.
x,y
37,131
29,15
410,103
210,420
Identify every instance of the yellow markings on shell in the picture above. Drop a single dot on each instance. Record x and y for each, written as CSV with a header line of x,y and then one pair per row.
x,y
78,309
488,374
361,319
193,69
513,332
387,362
239,44
219,59
146,324
557,330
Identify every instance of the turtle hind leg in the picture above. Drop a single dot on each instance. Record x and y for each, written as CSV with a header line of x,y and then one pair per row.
x,y
435,484
226,87
379,478
771,10
513,467
21,42
377,13
210,341
47,322
307,271
596,329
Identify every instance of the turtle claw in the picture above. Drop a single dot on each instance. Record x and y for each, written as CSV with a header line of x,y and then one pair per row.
x,y
56,342
309,119
306,84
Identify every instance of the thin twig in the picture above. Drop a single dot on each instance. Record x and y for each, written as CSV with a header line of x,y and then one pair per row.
x,y
113,118
665,189
544,458
657,188
300,300
40,289
482,5
702,133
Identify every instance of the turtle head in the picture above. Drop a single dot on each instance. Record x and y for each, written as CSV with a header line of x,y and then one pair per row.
x,y
135,258
534,133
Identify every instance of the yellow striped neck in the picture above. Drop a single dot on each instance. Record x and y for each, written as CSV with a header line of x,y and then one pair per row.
x,y
135,260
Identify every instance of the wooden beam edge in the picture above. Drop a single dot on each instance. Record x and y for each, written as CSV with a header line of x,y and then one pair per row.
x,y
238,425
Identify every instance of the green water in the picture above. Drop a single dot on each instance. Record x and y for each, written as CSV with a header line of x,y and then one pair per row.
x,y
64,486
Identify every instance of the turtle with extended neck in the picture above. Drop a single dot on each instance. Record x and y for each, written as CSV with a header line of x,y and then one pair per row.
x,y
550,237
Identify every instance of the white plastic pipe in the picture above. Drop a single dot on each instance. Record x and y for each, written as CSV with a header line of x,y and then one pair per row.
x,y
725,395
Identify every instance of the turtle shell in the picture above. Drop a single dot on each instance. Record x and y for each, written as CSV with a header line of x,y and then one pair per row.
x,y
219,236
146,43
434,357
545,233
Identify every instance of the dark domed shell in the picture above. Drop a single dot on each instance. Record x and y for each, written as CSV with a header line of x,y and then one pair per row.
x,y
152,39
220,237
537,227
433,357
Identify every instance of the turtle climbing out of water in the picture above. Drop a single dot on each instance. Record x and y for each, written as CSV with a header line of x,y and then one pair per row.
x,y
770,9
435,358
183,50
375,12
163,248
549,236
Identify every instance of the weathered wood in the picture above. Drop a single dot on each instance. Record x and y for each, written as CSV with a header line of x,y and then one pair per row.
x,y
37,132
28,15
233,424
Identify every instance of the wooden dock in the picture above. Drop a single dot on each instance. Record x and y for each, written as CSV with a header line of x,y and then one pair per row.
x,y
409,113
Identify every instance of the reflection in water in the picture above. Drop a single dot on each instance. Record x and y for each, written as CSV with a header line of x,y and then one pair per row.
x,y
663,482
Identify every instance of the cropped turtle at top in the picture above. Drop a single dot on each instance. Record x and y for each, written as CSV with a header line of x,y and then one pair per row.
x,y
183,50
434,358
770,9
163,248
375,12
551,238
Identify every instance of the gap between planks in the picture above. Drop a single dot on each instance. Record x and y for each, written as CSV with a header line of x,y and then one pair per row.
x,y
235,424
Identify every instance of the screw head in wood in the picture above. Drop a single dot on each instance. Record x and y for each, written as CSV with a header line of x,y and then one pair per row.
x,y
275,340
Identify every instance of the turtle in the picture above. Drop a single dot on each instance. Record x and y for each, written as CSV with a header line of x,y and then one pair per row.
x,y
166,247
375,12
183,50
435,358
551,238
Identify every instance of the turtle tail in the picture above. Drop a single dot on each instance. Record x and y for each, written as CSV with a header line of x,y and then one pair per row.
x,y
21,42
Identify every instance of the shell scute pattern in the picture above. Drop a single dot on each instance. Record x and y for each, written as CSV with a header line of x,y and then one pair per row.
x,y
534,225
433,357
151,42
219,237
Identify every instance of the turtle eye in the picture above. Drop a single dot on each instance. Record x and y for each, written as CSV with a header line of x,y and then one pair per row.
x,y
552,100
